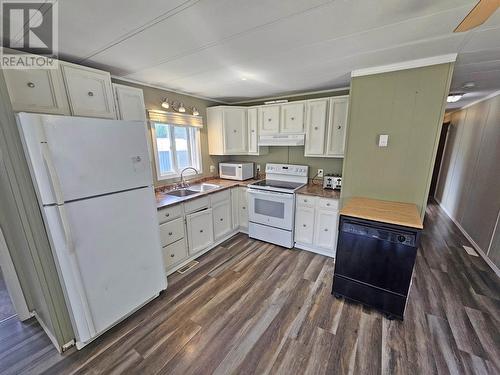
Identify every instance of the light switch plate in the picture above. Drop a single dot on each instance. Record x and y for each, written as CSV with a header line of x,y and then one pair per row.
x,y
383,140
212,169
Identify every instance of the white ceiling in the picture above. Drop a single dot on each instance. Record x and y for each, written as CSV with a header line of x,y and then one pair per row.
x,y
206,47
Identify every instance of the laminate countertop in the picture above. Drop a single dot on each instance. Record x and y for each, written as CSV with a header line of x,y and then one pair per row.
x,y
318,191
405,214
164,200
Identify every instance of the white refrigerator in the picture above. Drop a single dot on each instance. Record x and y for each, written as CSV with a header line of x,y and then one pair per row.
x,y
94,185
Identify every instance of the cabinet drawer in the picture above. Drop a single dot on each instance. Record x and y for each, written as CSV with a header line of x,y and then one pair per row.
x,y
196,204
175,253
222,196
328,204
171,231
169,213
306,200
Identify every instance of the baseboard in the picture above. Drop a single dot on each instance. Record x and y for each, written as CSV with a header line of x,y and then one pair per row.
x,y
473,243
312,249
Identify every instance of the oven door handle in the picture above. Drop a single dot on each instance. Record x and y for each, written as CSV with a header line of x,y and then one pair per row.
x,y
268,192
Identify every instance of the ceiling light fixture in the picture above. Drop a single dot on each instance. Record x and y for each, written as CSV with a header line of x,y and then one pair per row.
x,y
181,108
195,112
244,78
165,103
453,98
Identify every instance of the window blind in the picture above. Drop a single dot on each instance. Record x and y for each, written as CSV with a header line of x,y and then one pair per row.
x,y
177,119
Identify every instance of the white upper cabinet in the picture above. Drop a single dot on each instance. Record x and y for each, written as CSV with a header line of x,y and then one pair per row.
x,y
316,123
269,119
234,122
252,122
89,91
292,118
337,126
37,90
129,103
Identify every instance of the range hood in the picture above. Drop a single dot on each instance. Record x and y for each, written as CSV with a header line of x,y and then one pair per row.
x,y
282,140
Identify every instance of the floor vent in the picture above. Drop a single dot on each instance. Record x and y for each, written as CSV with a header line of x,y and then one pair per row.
x,y
470,250
187,267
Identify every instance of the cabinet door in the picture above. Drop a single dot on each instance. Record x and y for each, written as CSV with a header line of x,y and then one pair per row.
x,y
304,225
337,127
129,103
316,116
235,130
235,207
243,208
326,225
37,90
269,119
292,118
200,230
222,219
252,117
89,91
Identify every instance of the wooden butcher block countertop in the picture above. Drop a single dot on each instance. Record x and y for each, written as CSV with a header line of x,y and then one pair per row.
x,y
405,214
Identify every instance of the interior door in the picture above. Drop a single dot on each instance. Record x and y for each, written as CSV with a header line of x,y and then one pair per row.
x,y
110,258
91,156
271,208
235,130
316,116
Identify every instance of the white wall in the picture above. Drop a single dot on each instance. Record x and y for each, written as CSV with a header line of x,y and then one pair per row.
x,y
469,180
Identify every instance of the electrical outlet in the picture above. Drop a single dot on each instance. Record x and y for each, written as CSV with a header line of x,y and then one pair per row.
x,y
258,168
320,172
212,168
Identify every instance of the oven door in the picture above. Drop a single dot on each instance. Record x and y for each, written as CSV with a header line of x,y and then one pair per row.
x,y
271,208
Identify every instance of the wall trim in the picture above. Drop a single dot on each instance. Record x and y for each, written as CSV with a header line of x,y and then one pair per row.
x,y
164,88
473,243
410,64
487,97
347,88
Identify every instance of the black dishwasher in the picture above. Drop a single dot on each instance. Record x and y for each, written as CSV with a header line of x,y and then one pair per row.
x,y
374,264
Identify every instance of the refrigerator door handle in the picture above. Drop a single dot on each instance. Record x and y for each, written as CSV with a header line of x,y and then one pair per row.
x,y
56,188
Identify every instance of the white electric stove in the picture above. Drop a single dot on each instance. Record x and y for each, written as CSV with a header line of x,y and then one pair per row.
x,y
272,203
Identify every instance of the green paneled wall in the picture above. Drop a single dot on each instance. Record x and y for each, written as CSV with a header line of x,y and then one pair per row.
x,y
408,105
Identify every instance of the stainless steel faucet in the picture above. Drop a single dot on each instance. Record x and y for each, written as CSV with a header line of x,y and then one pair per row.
x,y
183,183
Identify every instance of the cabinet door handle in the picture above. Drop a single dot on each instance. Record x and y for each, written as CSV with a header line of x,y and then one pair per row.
x,y
304,225
201,230
269,120
221,219
328,204
90,93
244,208
169,233
292,118
172,255
339,127
167,215
30,85
253,131
326,229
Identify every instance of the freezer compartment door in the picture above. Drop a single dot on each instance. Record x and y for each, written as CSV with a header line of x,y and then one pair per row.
x,y
110,261
88,156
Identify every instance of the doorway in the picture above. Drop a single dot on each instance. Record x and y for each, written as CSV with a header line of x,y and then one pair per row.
x,y
439,158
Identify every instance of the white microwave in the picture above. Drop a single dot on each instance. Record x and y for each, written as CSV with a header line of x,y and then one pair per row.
x,y
236,171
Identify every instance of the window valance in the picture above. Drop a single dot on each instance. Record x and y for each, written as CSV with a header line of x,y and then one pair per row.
x,y
177,119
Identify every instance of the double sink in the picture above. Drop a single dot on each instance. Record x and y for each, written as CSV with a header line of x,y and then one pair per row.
x,y
194,189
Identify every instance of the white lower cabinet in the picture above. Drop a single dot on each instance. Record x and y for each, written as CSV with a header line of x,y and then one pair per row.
x,y
200,230
222,219
316,224
243,208
304,225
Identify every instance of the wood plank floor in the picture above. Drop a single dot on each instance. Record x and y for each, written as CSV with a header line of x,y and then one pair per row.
x,y
254,308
